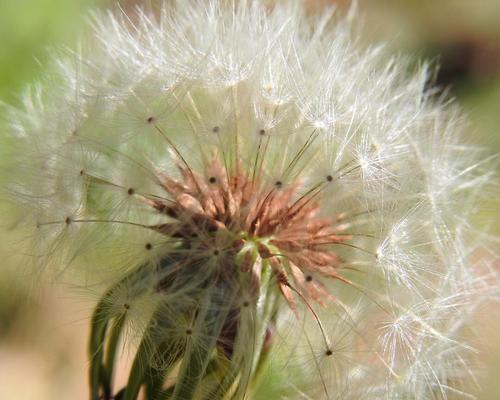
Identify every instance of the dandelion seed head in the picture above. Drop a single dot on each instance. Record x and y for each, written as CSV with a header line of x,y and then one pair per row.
x,y
256,180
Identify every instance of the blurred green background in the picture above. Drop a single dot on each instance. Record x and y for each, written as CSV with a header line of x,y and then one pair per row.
x,y
43,328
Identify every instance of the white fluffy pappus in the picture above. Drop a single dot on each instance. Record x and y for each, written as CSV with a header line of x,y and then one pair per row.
x,y
271,208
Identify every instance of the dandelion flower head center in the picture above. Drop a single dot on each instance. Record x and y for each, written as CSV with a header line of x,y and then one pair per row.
x,y
237,218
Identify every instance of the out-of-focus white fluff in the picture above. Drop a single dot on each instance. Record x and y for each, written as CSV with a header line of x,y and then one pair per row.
x,y
399,167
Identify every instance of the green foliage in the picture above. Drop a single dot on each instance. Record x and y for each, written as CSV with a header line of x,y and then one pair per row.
x,y
26,27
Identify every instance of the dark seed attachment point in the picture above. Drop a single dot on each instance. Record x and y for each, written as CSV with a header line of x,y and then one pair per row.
x,y
67,221
131,191
328,352
278,184
215,129
329,178
262,132
148,246
309,278
189,332
150,119
212,179
216,252
126,306
246,303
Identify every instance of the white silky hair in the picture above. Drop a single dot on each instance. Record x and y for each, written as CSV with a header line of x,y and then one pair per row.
x,y
229,78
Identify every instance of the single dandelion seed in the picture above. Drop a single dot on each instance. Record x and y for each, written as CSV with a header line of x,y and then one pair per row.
x,y
264,199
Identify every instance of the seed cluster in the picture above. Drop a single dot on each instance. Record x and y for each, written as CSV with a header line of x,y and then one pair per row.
x,y
233,210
